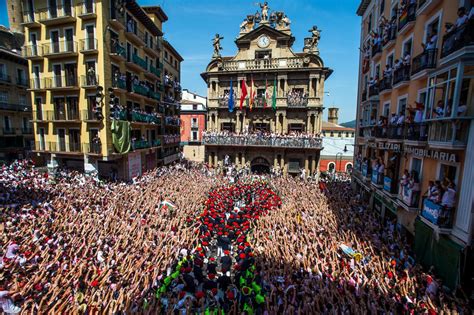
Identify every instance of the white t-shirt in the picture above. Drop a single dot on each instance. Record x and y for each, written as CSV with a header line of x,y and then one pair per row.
x,y
461,20
11,251
448,198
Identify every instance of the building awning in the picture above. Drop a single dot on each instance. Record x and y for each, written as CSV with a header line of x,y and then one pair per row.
x,y
438,251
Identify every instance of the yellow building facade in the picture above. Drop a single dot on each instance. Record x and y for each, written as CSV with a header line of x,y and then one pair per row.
x,y
268,65
415,131
96,81
16,137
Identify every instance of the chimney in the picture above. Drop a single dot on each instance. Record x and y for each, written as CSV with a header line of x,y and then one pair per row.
x,y
333,115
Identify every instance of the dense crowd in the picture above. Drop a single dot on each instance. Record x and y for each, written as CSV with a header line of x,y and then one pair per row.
x,y
183,239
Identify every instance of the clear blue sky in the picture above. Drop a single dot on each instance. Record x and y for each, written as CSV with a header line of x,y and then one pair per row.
x,y
193,23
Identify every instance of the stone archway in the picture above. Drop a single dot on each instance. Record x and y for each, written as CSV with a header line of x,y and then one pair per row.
x,y
260,165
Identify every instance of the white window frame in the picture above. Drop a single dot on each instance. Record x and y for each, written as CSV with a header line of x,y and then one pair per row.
x,y
403,46
85,30
404,96
347,164
455,164
333,163
389,103
437,15
391,53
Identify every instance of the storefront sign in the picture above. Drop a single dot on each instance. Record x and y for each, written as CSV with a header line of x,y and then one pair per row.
x,y
431,211
134,164
431,154
385,146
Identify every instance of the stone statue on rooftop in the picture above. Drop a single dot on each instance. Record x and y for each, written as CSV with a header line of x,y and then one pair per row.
x,y
265,9
216,42
281,20
314,40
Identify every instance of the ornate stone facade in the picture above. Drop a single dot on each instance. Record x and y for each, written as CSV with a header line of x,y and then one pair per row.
x,y
265,60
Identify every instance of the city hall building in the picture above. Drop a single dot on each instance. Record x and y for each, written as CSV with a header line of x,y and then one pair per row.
x,y
266,62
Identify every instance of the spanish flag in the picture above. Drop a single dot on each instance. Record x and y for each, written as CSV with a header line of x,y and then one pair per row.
x,y
252,94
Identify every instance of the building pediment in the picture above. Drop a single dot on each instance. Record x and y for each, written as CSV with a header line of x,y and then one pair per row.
x,y
279,36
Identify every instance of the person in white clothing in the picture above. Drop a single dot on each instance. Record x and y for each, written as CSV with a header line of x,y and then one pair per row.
x,y
462,17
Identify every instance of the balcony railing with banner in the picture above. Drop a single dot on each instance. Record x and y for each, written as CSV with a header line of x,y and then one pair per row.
x,y
425,60
457,39
263,64
245,140
140,89
401,74
377,178
407,16
390,185
366,170
409,196
437,214
60,47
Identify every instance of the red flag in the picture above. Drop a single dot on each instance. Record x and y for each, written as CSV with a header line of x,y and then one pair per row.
x,y
244,93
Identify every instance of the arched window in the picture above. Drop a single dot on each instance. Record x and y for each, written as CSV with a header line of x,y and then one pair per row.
x,y
331,167
349,167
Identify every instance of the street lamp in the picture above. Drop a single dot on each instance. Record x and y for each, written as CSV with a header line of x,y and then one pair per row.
x,y
341,155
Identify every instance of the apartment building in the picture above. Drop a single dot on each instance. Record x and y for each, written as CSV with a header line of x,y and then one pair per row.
x,y
96,84
16,135
415,132
172,97
193,122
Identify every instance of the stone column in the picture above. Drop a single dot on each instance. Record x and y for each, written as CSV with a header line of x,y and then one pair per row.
x,y
236,159
465,210
211,162
285,124
306,165
313,165
275,160
308,123
215,160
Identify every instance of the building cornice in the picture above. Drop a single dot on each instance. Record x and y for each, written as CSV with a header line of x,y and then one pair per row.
x,y
362,7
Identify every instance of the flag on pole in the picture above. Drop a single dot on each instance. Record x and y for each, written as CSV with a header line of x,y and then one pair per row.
x,y
244,93
231,97
265,95
252,94
274,95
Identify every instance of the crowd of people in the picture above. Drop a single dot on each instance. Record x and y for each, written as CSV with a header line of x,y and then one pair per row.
x,y
183,239
297,97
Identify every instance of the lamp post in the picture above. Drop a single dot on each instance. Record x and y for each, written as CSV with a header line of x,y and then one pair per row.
x,y
341,155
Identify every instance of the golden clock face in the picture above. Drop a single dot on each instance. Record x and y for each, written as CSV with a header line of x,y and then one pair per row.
x,y
263,41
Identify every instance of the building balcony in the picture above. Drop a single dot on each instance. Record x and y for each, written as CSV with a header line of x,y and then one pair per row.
x,y
88,46
119,82
61,116
134,35
139,61
425,6
154,95
92,148
87,10
61,82
155,71
33,52
30,19
89,81
8,131
15,107
63,147
448,134
416,132
390,36
438,217
57,15
37,84
457,39
63,48
91,116
374,90
172,121
377,179
424,61
140,144
171,139
255,141
5,78
376,49
194,125
366,172
264,64
407,18
140,89
140,117
390,186
117,51
385,85
401,75
294,101
408,198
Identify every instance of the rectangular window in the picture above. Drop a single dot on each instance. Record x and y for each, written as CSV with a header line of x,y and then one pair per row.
x,y
447,171
3,97
7,123
194,136
402,106
22,100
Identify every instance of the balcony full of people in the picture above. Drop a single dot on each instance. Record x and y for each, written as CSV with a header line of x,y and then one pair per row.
x,y
297,98
261,138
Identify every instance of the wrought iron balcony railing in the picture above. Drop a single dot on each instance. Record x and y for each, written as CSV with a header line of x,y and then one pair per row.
x,y
246,140
425,60
262,64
